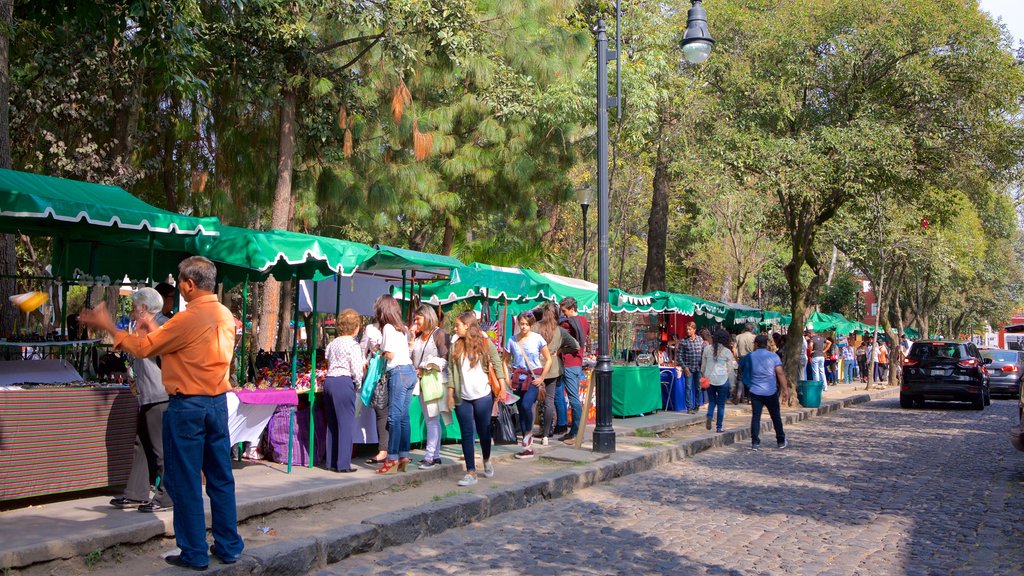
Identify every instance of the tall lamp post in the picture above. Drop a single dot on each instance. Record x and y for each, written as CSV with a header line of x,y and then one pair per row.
x,y
585,196
696,45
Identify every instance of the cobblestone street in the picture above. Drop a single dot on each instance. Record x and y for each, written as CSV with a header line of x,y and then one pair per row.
x,y
870,490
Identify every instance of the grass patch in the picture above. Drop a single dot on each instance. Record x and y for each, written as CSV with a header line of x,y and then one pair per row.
x,y
93,557
449,494
645,433
649,444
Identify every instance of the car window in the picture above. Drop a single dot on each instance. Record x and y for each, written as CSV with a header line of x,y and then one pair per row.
x,y
1001,355
973,351
936,351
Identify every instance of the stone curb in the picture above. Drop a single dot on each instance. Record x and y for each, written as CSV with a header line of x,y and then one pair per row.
x,y
406,526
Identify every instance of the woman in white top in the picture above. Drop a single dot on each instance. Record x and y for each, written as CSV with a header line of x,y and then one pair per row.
x,y
370,343
430,357
527,352
469,390
717,365
344,372
401,378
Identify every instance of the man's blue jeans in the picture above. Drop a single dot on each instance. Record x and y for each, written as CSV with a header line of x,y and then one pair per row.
x,y
570,380
196,439
401,381
757,402
850,369
818,370
694,396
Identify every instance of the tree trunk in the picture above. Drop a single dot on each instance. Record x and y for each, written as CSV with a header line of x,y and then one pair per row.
x,y
284,341
449,237
657,222
279,219
169,166
802,298
8,254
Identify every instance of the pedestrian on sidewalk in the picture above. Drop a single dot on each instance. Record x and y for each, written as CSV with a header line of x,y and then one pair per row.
x,y
688,358
344,374
527,353
819,348
369,344
148,456
430,356
572,364
849,362
862,359
559,341
744,346
195,349
469,391
718,366
401,379
805,357
767,387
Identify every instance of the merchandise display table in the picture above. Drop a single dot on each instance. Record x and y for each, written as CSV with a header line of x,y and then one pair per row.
x,y
55,440
636,390
249,411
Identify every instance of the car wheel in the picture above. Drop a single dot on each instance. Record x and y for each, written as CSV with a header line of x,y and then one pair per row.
x,y
988,397
979,402
906,401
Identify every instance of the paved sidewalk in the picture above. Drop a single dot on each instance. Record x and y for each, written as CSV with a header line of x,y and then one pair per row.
x,y
80,527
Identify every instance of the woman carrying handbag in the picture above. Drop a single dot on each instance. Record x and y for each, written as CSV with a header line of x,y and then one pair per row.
x,y
717,365
473,357
530,359
430,356
401,380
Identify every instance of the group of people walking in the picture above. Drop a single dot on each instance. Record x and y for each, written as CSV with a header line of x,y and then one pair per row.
x,y
460,376
744,368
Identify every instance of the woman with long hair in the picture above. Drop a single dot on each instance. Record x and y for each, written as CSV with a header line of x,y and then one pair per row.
x,y
527,352
558,339
469,390
717,366
344,373
430,357
370,343
401,379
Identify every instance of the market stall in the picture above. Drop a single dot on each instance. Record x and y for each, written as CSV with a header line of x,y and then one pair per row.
x,y
62,429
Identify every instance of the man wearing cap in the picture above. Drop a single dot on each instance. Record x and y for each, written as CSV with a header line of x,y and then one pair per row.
x,y
767,386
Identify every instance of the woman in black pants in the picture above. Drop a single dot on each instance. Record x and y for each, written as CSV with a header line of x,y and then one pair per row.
x,y
344,372
558,340
469,391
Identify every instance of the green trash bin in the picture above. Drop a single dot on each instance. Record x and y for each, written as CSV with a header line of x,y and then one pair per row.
x,y
808,392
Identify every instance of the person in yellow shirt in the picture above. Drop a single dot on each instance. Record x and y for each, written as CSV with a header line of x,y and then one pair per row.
x,y
195,347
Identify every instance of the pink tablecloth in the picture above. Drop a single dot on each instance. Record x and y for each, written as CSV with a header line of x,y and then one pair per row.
x,y
279,396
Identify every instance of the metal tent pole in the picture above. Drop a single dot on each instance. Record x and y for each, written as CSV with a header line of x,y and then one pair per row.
x,y
295,347
312,374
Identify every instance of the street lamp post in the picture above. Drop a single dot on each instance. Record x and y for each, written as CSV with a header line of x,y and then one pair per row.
x,y
584,196
696,45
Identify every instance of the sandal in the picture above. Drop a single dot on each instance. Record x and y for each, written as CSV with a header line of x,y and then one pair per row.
x,y
389,467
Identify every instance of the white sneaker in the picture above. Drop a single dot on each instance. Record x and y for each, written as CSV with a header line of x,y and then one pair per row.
x,y
488,470
544,441
468,480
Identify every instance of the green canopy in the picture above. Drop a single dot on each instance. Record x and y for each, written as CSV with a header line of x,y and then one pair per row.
x,y
481,281
242,253
46,206
391,258
771,317
737,315
821,322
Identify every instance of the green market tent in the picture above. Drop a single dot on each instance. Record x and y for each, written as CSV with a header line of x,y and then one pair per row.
x,y
48,206
391,258
771,317
737,315
821,322
242,254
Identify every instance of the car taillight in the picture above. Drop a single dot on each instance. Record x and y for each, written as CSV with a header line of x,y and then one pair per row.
x,y
969,363
1009,368
909,362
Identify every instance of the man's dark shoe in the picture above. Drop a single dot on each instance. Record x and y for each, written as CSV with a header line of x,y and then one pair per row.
x,y
567,437
125,503
560,430
755,446
153,507
784,444
708,424
175,560
223,560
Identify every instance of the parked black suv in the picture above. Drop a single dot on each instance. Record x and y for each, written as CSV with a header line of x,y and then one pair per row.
x,y
944,370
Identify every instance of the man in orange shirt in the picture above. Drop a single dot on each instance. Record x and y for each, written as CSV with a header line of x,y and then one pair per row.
x,y
195,348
